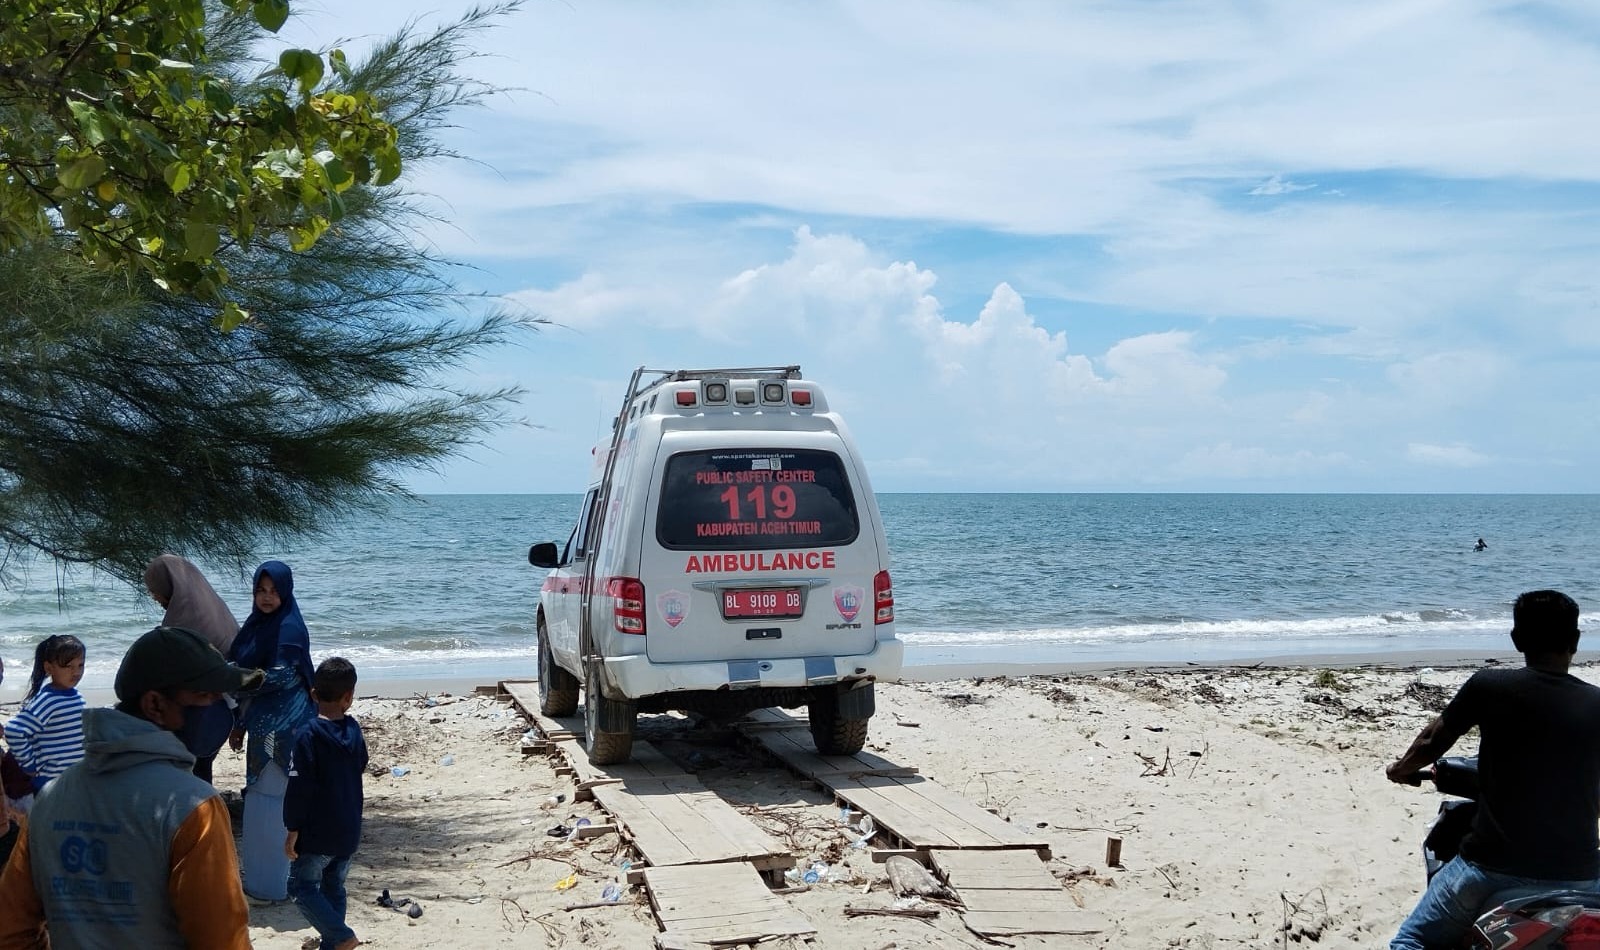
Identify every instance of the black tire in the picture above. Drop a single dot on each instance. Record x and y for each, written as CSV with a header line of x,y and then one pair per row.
x,y
558,689
607,723
834,734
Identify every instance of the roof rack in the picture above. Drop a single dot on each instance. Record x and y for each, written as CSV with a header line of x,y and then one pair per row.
x,y
679,375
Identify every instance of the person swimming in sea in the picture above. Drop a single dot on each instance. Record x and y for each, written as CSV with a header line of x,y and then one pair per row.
x,y
1482,545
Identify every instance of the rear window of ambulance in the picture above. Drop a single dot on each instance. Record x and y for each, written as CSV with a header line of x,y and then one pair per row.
x,y
744,500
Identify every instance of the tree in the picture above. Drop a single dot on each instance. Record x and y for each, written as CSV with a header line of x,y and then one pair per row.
x,y
130,423
115,127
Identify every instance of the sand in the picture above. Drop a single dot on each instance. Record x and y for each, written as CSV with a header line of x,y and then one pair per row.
x,y
1251,803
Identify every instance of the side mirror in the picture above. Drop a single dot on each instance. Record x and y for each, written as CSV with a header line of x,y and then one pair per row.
x,y
544,555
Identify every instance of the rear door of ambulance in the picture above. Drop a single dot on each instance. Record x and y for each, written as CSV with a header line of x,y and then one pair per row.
x,y
757,547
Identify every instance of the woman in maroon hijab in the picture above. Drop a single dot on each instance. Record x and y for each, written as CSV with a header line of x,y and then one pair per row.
x,y
193,604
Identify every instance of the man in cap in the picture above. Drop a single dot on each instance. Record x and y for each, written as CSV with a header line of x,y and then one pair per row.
x,y
127,848
1538,776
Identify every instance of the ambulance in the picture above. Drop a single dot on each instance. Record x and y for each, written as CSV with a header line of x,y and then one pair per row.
x,y
728,556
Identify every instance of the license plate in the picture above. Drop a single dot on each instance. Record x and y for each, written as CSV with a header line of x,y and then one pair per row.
x,y
763,602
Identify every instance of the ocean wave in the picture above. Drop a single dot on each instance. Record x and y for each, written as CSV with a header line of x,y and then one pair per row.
x,y
1437,622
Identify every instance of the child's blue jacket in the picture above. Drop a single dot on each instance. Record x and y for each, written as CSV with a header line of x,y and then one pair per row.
x,y
323,801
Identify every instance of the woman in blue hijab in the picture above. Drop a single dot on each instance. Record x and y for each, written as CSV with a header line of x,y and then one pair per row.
x,y
273,638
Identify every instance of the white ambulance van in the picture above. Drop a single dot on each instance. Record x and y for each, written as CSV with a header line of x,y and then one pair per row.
x,y
729,556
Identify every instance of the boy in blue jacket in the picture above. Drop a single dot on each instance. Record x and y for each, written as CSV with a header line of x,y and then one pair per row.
x,y
322,806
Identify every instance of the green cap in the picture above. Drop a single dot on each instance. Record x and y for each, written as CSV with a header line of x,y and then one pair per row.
x,y
175,658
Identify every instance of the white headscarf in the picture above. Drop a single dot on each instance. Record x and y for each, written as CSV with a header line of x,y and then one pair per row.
x,y
191,601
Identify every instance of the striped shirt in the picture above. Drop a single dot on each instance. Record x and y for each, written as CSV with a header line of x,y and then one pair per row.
x,y
46,736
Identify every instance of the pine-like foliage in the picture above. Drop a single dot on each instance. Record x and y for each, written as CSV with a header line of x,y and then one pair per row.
x,y
131,425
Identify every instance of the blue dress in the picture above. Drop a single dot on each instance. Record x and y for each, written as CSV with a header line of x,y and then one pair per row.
x,y
273,717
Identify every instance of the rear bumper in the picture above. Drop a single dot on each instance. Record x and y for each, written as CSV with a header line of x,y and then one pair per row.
x,y
633,677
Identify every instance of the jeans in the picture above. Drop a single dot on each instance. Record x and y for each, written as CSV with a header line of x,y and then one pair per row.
x,y
316,884
1454,900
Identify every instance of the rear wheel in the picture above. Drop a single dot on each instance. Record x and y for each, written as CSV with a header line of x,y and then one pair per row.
x,y
839,719
607,723
558,689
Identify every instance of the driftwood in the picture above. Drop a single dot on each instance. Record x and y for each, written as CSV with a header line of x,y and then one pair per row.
x,y
907,877
922,912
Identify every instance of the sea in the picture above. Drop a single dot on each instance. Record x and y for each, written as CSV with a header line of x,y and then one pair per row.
x,y
440,586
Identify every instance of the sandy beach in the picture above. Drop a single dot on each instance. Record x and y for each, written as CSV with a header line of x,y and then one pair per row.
x,y
1250,801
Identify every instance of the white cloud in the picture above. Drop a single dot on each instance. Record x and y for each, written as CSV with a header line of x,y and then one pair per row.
x,y
592,301
1278,185
1038,234
1247,464
1458,378
1457,455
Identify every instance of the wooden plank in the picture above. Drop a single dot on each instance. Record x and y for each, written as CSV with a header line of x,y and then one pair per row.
x,y
1006,893
926,814
594,831
895,810
699,905
647,762
793,746
979,867
525,696
584,775
678,821
881,855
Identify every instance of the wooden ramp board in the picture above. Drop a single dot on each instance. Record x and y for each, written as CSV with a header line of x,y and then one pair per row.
x,y
525,694
679,821
921,812
1012,892
648,762
924,814
718,904
789,739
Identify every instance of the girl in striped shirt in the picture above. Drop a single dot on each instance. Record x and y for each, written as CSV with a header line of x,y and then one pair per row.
x,y
46,736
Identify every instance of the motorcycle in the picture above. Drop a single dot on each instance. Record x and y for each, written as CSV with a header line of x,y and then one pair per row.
x,y
1517,919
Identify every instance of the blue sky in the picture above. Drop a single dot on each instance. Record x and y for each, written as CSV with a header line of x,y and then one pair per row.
x,y
1156,246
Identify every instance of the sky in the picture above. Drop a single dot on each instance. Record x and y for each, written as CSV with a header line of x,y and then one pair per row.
x,y
1155,246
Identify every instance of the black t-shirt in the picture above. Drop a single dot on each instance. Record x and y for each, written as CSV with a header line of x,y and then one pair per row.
x,y
1539,772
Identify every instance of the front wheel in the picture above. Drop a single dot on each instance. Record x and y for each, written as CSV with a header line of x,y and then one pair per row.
x,y
558,689
839,719
607,723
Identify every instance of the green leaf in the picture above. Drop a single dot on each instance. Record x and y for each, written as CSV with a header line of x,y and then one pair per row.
x,y
271,14
201,239
338,176
303,66
231,317
82,173
301,239
178,176
93,123
388,165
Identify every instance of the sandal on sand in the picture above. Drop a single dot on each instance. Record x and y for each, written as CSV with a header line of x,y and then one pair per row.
x,y
406,905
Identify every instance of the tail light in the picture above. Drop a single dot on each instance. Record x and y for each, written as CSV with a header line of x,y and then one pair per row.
x,y
882,598
627,594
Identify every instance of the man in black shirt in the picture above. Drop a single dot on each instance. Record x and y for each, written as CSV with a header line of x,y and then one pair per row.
x,y
1538,770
